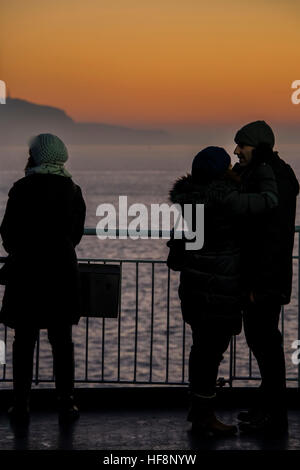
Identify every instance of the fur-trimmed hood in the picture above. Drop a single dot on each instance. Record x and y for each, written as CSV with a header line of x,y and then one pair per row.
x,y
186,191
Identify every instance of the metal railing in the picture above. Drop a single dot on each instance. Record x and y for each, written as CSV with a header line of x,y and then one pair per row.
x,y
150,321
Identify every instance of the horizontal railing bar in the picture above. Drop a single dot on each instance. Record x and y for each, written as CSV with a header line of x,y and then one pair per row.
x,y
116,260
146,382
238,377
125,232
112,260
91,381
91,231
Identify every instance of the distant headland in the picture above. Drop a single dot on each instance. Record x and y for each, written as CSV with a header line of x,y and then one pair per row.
x,y
21,119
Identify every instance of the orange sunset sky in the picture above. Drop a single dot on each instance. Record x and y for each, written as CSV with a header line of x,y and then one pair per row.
x,y
154,63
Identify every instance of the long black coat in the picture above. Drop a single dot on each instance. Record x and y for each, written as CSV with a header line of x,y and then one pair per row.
x,y
43,222
210,281
267,240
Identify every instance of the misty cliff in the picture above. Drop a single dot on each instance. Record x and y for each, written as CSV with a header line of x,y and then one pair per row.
x,y
20,119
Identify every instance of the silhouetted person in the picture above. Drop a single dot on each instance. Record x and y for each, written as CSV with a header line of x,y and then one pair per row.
x,y
210,282
43,222
267,246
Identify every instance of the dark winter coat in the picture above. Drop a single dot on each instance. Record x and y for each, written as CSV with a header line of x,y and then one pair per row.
x,y
43,222
267,240
210,281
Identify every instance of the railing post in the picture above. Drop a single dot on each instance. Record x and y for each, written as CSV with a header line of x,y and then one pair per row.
x,y
87,349
168,327
119,323
298,303
37,359
231,362
136,318
152,322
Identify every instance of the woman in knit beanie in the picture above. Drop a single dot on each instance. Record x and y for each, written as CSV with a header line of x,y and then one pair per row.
x,y
43,223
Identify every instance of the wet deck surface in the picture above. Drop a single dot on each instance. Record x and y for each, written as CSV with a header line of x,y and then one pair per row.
x,y
121,429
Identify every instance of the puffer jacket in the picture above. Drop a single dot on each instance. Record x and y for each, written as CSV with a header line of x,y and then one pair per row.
x,y
210,279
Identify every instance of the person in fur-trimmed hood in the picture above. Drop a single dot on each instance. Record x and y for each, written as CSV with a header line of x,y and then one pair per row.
x,y
210,287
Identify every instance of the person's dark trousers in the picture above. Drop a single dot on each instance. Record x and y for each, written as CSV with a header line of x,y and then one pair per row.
x,y
60,338
265,341
210,341
23,350
63,359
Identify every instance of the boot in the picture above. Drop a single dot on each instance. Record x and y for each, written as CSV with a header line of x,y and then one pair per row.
x,y
204,420
64,367
19,415
253,414
22,378
268,416
267,423
67,410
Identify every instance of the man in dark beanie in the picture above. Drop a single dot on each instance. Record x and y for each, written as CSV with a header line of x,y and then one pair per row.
x,y
267,245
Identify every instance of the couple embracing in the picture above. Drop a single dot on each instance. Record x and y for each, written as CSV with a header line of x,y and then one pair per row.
x,y
242,274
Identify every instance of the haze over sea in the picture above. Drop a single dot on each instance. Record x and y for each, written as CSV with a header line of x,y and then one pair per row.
x,y
145,174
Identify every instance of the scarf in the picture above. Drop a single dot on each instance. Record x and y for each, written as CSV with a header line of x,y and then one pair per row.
x,y
48,168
